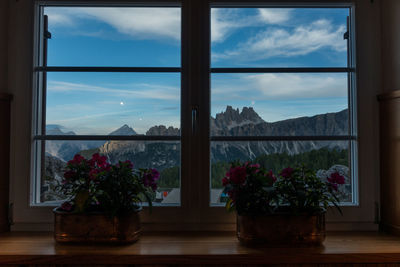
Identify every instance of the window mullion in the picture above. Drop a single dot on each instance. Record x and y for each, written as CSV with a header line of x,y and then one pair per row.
x,y
196,90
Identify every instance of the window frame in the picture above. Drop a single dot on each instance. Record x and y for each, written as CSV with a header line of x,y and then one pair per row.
x,y
194,212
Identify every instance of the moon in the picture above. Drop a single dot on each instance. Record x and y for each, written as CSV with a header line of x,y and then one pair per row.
x,y
121,103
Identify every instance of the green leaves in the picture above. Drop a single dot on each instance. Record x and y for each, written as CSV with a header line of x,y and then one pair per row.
x,y
297,190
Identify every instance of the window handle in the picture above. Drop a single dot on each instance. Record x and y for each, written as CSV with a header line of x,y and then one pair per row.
x,y
195,114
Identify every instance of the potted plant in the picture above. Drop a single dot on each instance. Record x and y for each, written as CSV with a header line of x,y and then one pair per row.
x,y
103,200
288,209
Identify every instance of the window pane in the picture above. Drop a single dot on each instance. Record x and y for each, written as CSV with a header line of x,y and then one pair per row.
x,y
279,104
278,37
113,103
164,156
114,36
324,157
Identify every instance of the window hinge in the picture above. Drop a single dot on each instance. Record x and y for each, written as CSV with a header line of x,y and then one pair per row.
x,y
47,35
11,213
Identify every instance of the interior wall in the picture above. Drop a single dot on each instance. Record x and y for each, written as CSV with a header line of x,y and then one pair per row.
x,y
368,31
3,45
390,44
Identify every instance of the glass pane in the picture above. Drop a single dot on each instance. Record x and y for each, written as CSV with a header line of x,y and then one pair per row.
x,y
324,157
279,104
164,156
114,36
113,103
278,37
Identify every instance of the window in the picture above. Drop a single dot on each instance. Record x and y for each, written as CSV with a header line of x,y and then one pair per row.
x,y
281,91
191,90
109,83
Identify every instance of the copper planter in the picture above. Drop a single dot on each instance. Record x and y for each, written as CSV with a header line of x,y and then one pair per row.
x,y
282,230
96,228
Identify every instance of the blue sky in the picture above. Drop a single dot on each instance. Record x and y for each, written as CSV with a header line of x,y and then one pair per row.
x,y
98,103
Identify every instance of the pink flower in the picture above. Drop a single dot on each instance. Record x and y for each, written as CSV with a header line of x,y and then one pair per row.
x,y
334,179
237,174
225,181
150,177
76,160
287,172
100,161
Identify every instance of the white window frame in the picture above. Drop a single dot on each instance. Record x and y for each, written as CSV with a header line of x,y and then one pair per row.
x,y
195,212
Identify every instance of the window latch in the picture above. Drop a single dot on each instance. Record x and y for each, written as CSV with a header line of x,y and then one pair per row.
x,y
195,112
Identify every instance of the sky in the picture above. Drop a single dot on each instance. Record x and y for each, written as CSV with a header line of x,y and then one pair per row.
x,y
98,103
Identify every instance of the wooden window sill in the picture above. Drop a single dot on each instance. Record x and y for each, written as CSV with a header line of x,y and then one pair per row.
x,y
198,248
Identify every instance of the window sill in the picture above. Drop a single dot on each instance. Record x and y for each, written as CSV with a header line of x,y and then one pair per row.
x,y
200,248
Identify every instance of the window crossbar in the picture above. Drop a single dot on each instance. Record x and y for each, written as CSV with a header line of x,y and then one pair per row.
x,y
108,137
107,69
280,70
285,138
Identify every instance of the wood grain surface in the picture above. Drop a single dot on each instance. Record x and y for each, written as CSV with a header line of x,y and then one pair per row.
x,y
198,248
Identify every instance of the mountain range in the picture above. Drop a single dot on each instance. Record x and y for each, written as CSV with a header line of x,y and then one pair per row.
x,y
231,122
166,154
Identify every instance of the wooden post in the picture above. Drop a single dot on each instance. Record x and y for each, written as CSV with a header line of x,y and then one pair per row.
x,y
5,100
389,109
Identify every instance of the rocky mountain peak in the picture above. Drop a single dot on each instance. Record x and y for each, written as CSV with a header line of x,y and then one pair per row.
x,y
124,130
233,117
53,129
162,130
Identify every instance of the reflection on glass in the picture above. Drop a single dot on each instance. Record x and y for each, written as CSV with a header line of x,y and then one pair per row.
x,y
279,37
279,104
324,157
114,103
114,36
164,156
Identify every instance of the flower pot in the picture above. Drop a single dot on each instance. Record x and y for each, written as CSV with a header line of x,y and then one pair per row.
x,y
281,230
96,228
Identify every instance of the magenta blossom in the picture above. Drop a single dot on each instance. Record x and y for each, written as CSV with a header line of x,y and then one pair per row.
x,y
287,172
76,160
150,177
237,175
335,179
99,161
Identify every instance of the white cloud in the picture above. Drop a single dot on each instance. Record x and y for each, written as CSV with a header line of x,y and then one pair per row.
x,y
58,18
283,86
140,23
138,91
274,15
302,40
224,21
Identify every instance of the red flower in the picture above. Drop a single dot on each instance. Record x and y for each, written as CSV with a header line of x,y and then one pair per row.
x,y
100,161
76,160
287,172
237,174
225,181
334,179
